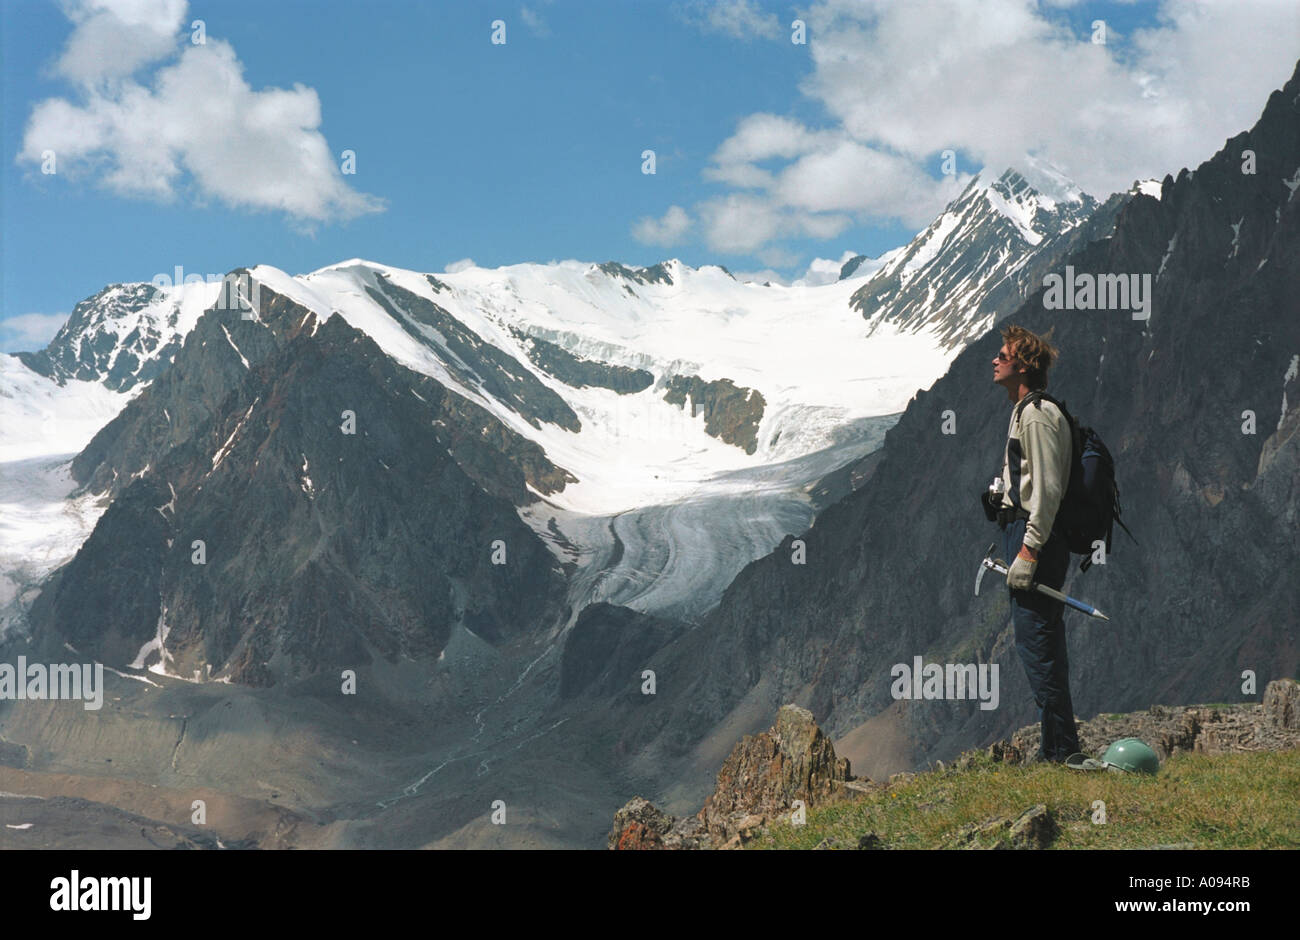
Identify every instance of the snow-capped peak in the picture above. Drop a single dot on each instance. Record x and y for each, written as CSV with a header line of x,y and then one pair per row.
x,y
952,277
1152,188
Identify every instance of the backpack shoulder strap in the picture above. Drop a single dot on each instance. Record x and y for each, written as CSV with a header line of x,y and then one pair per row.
x,y
1033,396
1038,396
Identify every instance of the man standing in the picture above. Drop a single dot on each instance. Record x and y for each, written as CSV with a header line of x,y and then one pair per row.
x,y
1035,473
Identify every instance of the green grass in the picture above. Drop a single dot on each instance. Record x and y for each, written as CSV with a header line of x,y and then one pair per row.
x,y
1226,801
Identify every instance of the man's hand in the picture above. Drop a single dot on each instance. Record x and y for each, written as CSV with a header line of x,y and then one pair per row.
x,y
1020,576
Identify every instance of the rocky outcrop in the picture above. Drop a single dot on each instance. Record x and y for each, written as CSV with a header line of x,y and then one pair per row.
x,y
1268,726
1282,705
758,784
731,413
573,370
639,826
1035,828
768,772
655,274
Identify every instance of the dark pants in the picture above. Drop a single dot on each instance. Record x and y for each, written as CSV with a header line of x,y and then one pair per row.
x,y
1040,640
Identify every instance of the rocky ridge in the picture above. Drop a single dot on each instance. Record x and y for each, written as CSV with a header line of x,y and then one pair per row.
x,y
767,773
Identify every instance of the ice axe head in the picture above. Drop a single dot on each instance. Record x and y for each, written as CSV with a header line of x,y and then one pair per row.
x,y
983,567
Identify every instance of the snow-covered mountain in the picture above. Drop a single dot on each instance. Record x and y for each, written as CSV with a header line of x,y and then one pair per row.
x,y
978,260
672,401
687,421
124,335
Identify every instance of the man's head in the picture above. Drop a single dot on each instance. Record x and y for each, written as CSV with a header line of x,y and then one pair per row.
x,y
1023,359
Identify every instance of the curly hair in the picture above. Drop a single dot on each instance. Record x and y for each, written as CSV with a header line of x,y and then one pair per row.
x,y
1033,351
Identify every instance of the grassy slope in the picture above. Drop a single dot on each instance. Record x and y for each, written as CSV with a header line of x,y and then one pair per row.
x,y
1225,801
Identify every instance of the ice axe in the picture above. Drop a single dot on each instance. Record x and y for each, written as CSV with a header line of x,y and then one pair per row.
x,y
997,564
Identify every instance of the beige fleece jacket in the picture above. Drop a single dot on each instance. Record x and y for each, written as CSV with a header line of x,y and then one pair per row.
x,y
1036,467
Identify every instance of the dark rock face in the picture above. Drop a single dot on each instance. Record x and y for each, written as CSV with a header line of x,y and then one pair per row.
x,y
187,396
217,357
608,647
105,601
850,266
581,373
1209,593
323,549
496,371
987,265
655,274
731,413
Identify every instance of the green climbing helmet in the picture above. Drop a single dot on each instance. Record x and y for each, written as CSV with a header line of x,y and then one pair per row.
x,y
1131,755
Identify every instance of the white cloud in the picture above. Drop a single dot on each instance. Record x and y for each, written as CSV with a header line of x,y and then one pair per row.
x,y
824,270
464,264
1003,81
113,38
765,136
740,19
760,277
196,127
30,330
848,176
777,256
741,223
999,80
666,231
533,20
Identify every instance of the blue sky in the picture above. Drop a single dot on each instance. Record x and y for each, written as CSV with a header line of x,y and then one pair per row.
x,y
769,154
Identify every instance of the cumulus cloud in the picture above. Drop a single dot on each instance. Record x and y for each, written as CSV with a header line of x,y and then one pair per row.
x,y
464,264
30,330
533,20
667,230
194,126
824,270
114,38
1003,79
764,276
740,19
741,223
1004,83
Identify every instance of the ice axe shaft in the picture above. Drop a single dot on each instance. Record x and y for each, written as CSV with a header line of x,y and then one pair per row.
x,y
996,564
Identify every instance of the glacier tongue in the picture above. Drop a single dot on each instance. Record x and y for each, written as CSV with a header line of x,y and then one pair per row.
x,y
664,514
657,486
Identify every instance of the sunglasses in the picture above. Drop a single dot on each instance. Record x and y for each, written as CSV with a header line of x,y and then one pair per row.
x,y
1003,357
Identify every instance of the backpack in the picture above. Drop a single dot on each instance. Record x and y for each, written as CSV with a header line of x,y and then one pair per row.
x,y
1090,505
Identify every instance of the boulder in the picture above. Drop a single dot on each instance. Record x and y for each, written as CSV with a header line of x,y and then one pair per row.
x,y
766,773
1282,704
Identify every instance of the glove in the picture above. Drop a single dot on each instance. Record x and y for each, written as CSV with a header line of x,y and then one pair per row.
x,y
1020,576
